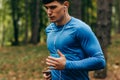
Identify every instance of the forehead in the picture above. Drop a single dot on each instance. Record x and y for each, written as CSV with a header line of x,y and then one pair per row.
x,y
54,3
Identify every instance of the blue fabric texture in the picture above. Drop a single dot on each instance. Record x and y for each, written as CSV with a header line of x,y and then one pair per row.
x,y
80,46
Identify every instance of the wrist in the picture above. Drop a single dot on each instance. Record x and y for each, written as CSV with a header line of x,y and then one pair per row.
x,y
67,65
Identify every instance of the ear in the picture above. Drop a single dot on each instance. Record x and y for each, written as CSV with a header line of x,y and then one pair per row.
x,y
66,4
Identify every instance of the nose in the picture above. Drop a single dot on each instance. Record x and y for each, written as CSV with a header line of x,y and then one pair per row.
x,y
49,11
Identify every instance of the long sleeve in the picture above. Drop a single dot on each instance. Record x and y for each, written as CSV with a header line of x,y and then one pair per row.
x,y
91,47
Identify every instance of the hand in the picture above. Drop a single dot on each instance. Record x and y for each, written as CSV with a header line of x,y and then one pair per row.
x,y
57,63
47,75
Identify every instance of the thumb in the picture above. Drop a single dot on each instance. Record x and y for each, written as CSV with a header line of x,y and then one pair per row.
x,y
60,53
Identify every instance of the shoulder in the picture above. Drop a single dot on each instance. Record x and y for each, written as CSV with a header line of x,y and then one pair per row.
x,y
79,25
81,29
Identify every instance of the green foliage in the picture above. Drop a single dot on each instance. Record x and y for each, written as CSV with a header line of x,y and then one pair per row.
x,y
89,12
6,19
6,30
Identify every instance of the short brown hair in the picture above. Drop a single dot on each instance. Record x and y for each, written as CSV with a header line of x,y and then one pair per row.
x,y
49,1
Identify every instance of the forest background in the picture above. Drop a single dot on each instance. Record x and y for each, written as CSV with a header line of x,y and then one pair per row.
x,y
23,39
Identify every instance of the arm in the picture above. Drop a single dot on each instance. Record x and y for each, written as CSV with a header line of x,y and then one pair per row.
x,y
47,75
91,47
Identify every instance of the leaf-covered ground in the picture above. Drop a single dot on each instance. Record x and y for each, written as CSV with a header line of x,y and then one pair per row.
x,y
22,62
28,62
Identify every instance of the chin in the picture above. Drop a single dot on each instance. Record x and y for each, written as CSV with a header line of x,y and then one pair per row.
x,y
52,20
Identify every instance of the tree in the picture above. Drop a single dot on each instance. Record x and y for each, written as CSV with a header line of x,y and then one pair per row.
x,y
26,21
88,12
15,18
76,8
116,16
85,10
103,30
1,24
35,21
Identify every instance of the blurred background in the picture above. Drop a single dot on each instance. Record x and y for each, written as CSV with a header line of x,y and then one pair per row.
x,y
23,40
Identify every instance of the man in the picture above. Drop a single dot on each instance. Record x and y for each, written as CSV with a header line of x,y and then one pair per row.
x,y
74,49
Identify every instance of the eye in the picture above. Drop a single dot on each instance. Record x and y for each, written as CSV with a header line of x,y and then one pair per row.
x,y
53,7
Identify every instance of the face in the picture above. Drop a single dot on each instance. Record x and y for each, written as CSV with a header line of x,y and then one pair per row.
x,y
55,11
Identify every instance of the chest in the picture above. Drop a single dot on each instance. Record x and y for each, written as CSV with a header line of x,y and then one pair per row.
x,y
61,39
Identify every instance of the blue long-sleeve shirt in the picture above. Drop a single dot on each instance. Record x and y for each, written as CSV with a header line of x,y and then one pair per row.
x,y
79,45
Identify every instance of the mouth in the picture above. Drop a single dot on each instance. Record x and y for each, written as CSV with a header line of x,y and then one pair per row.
x,y
51,17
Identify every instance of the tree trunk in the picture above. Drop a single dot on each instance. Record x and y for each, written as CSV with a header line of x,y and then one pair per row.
x,y
116,18
1,25
76,8
15,17
87,12
26,22
2,29
103,30
35,26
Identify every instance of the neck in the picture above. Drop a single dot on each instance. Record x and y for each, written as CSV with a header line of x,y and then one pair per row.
x,y
64,20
